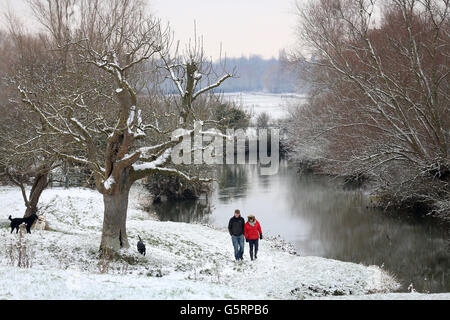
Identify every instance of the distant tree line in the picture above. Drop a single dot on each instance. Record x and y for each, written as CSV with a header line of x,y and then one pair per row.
x,y
256,74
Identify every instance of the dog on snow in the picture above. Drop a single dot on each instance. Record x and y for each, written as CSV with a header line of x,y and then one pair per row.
x,y
141,246
16,222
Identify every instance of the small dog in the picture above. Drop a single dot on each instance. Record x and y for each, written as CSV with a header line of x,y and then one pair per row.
x,y
16,222
141,246
40,224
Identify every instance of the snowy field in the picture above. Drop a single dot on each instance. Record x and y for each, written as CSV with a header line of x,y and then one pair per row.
x,y
183,261
275,104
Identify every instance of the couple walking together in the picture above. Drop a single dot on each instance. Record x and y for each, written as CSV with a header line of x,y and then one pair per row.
x,y
240,230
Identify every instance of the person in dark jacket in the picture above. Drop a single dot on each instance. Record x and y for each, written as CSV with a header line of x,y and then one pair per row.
x,y
252,233
236,229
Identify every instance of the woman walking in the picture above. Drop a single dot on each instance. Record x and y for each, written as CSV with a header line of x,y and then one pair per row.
x,y
252,233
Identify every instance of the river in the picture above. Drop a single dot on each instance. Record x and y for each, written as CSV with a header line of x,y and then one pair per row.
x,y
320,218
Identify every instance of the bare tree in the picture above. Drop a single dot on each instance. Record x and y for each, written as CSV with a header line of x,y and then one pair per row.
x,y
188,71
381,106
93,104
21,157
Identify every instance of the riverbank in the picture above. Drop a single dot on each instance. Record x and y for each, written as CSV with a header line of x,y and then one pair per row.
x,y
391,201
183,261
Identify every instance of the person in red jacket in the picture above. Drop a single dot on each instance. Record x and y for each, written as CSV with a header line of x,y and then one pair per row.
x,y
252,233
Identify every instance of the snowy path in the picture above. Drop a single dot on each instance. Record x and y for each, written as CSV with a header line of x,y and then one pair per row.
x,y
183,261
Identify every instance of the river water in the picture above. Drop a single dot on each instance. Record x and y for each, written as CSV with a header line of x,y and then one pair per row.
x,y
320,218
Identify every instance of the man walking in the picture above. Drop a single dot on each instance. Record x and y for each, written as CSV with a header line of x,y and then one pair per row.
x,y
236,229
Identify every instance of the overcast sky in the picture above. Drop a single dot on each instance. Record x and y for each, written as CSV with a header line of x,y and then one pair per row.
x,y
243,27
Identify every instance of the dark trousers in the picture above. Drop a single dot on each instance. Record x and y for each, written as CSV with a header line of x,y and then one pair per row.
x,y
253,243
238,244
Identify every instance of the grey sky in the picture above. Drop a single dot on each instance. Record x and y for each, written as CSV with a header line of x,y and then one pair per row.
x,y
242,26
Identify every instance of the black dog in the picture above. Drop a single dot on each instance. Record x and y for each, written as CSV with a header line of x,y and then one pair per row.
x,y
16,222
141,246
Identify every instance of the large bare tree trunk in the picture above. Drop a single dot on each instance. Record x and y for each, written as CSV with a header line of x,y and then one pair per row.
x,y
114,233
39,184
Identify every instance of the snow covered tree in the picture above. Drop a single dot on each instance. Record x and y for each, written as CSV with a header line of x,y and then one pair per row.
x,y
22,159
93,101
188,71
381,105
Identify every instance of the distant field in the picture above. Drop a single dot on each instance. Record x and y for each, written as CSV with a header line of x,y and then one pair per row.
x,y
275,104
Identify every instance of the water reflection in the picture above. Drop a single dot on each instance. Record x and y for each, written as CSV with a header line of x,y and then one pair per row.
x,y
183,211
320,218
232,181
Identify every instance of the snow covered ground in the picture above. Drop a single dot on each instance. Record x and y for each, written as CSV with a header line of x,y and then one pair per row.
x,y
183,261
